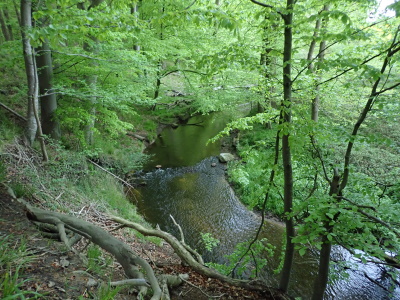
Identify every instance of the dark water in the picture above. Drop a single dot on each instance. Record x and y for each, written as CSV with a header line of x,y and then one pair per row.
x,y
187,144
200,199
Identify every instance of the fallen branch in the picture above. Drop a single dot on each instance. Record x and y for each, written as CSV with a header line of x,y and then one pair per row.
x,y
13,112
187,258
139,137
112,174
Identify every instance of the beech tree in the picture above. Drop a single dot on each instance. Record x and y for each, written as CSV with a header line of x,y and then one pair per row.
x,y
112,59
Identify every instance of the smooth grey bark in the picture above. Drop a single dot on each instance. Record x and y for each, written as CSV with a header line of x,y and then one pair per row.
x,y
48,99
320,24
286,148
135,12
26,24
33,122
268,66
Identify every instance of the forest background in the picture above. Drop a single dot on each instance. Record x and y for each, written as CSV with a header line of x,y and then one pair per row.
x,y
95,80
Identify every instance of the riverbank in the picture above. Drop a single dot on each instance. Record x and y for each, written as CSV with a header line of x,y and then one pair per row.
x,y
53,273
70,185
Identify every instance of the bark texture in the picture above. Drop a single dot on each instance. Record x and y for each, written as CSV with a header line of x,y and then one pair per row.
x,y
48,100
26,24
286,148
128,259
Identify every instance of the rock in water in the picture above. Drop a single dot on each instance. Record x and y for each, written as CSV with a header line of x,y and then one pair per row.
x,y
225,157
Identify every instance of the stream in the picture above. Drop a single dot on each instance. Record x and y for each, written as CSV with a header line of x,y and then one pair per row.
x,y
190,185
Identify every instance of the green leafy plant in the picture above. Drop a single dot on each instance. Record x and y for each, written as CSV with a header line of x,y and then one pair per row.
x,y
245,261
209,241
96,261
106,292
14,256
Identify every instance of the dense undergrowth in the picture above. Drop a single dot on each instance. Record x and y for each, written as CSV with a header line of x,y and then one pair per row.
x,y
67,183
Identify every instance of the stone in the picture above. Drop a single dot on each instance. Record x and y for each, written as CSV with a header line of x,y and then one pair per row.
x,y
225,157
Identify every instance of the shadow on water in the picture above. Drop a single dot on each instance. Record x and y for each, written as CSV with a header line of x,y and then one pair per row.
x,y
200,199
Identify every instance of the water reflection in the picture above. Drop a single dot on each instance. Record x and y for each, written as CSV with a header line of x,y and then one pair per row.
x,y
201,201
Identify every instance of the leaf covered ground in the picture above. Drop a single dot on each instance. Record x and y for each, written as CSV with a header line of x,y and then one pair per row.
x,y
54,273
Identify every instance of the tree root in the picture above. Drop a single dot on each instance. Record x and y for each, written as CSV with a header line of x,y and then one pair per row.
x,y
122,252
188,258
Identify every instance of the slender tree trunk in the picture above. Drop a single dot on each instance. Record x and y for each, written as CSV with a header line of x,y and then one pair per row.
x,y
17,13
338,183
160,64
48,99
135,13
36,113
8,23
91,82
286,148
321,56
321,280
26,22
268,68
4,28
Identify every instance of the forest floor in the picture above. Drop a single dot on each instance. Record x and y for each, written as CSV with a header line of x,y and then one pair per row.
x,y
59,274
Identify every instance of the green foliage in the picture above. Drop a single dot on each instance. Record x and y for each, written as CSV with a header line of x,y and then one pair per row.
x,y
21,190
245,262
97,262
106,292
14,257
209,241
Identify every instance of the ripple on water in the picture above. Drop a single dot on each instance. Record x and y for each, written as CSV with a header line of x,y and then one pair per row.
x,y
201,201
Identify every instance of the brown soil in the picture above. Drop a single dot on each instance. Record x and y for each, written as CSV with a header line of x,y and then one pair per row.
x,y
59,274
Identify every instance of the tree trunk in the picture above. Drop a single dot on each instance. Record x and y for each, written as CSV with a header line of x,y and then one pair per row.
x,y
268,65
26,24
135,13
91,82
48,99
321,280
17,13
286,148
4,28
8,23
321,57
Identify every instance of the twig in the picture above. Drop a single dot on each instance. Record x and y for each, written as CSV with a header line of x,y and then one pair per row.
x,y
112,174
179,228
371,217
195,286
187,247
13,112
118,227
